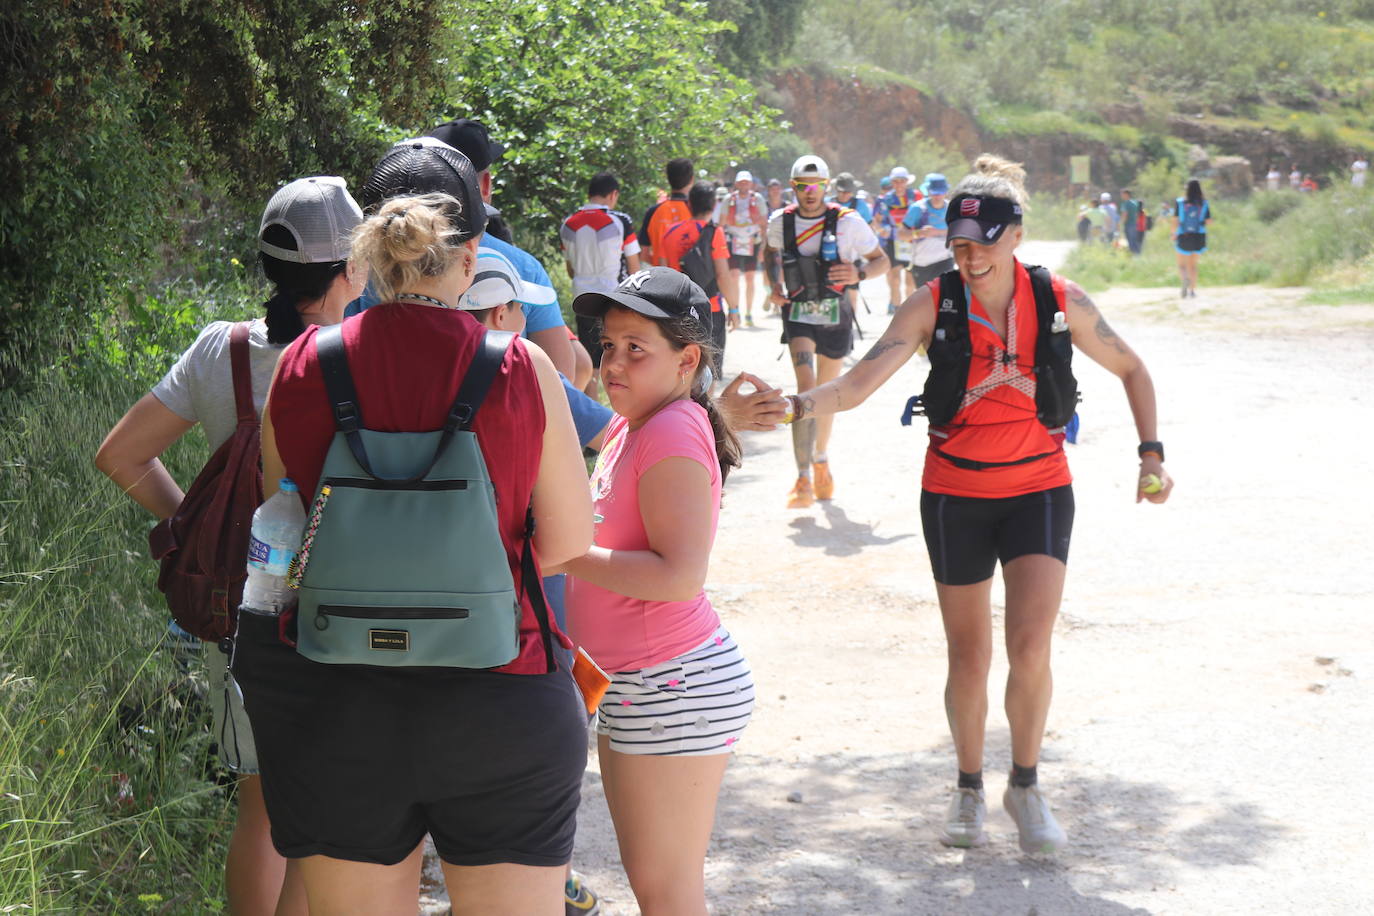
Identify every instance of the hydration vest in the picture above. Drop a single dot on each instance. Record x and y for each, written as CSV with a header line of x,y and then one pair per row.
x,y
1191,216
803,276
950,352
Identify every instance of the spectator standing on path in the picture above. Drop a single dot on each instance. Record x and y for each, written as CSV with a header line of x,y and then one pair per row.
x,y
1359,170
1132,220
544,324
996,486
599,249
1192,213
817,321
1097,220
743,216
672,209
925,225
303,245
697,248
681,691
1110,218
897,202
1273,177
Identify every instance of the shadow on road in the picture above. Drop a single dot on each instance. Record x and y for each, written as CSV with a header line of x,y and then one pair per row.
x,y
839,537
862,840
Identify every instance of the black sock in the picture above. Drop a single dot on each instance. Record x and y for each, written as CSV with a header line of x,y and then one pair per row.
x,y
971,780
1022,776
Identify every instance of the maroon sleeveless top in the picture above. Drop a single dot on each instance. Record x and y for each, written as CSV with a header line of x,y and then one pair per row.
x,y
407,362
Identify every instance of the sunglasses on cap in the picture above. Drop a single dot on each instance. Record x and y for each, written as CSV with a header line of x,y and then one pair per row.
x,y
800,183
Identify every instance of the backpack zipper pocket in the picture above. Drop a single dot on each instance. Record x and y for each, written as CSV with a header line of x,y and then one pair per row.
x,y
368,483
325,611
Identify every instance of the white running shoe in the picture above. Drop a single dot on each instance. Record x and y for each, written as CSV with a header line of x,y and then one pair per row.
x,y
964,820
1039,831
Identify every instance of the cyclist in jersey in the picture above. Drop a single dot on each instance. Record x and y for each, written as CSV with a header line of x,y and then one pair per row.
x,y
599,248
1191,215
743,217
924,226
672,209
996,485
897,202
817,319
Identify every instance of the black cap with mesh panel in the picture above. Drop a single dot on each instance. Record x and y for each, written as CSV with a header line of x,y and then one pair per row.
x,y
428,166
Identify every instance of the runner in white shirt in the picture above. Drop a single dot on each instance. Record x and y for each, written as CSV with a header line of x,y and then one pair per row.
x,y
742,215
599,249
817,318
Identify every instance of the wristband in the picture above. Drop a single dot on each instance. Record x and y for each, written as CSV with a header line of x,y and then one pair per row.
x,y
734,311
1151,448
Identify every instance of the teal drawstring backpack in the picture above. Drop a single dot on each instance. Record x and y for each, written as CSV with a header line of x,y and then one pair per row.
x,y
403,564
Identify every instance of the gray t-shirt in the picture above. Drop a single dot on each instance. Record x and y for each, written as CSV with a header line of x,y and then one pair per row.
x,y
199,388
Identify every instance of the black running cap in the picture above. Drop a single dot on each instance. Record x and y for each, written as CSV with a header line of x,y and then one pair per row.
x,y
428,166
654,292
471,138
980,219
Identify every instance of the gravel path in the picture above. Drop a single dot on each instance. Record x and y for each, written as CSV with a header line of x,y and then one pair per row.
x,y
1209,743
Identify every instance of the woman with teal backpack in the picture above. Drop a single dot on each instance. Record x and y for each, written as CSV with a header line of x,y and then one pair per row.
x,y
1192,213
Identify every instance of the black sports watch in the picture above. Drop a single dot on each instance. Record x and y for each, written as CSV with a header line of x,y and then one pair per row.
x,y
1156,447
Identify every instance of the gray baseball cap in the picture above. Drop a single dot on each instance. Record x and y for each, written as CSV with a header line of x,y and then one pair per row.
x,y
319,213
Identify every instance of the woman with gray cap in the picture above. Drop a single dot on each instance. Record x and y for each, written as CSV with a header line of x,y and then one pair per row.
x,y
996,486
303,245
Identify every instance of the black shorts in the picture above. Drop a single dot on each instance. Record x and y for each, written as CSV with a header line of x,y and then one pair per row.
x,y
1190,242
966,536
745,261
921,274
720,327
589,333
835,341
359,763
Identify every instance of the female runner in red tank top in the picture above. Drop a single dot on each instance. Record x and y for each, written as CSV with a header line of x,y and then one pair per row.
x,y
997,487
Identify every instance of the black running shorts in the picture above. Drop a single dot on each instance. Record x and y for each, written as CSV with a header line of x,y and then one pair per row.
x,y
745,261
359,763
835,341
966,536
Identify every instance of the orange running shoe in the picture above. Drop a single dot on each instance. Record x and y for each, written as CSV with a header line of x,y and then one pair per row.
x,y
801,495
825,484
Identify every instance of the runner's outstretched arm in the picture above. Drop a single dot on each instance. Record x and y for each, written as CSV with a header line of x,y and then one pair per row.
x,y
911,328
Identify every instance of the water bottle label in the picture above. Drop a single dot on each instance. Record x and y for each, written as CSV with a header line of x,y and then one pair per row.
x,y
275,561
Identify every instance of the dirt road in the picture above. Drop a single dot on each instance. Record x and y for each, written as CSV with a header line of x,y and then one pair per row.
x,y
1209,746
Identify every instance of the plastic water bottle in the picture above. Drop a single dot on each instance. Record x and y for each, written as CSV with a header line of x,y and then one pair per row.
x,y
272,545
830,248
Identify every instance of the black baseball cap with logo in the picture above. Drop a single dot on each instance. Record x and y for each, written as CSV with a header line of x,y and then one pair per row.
x,y
428,166
654,292
980,219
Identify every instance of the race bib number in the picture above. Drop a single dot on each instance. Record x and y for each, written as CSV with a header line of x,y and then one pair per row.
x,y
823,311
903,249
742,245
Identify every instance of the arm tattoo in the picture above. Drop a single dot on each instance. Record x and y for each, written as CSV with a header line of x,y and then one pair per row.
x,y
804,358
882,347
1104,330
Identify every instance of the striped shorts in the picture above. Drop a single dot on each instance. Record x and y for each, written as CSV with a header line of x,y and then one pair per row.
x,y
694,705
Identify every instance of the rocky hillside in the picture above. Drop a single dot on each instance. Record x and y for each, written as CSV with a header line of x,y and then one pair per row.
x,y
859,118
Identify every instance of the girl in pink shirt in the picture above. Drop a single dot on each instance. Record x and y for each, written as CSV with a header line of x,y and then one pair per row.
x,y
681,691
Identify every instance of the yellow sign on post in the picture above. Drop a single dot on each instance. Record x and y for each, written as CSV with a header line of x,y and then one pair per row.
x,y
1080,169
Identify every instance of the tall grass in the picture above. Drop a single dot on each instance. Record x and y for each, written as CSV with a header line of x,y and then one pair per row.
x,y
109,799
1274,238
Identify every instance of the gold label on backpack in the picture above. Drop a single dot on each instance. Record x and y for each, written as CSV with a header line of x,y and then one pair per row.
x,y
394,640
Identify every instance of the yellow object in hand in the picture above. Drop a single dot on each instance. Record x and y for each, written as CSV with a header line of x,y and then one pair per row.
x,y
1150,484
